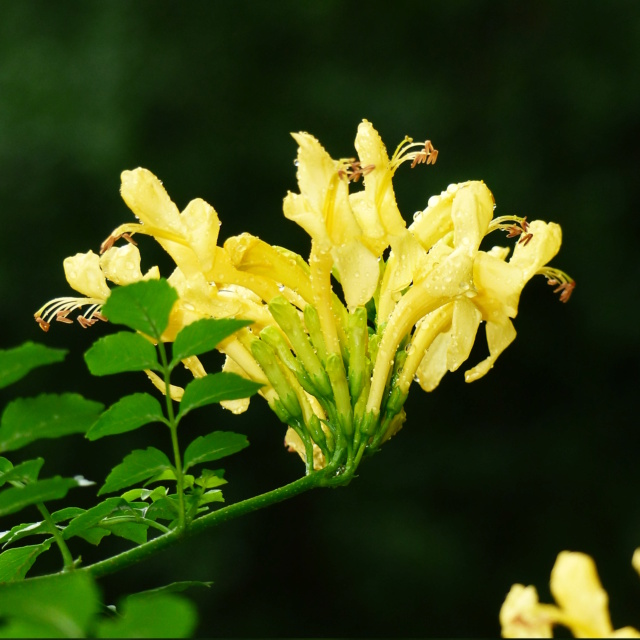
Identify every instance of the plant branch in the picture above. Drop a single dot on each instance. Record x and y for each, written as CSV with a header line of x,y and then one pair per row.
x,y
137,554
67,558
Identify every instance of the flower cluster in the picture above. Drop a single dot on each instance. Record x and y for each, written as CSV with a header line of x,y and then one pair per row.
x,y
336,363
582,604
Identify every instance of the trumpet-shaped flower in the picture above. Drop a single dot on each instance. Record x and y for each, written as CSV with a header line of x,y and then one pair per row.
x,y
337,374
88,273
582,604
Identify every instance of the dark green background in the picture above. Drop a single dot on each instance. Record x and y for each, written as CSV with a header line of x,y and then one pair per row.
x,y
486,483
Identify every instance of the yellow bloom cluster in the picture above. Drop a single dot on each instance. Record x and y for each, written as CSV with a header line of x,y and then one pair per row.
x,y
336,365
582,604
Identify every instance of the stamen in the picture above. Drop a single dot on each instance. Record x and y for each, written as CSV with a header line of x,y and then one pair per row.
x,y
426,155
563,283
59,309
353,170
514,226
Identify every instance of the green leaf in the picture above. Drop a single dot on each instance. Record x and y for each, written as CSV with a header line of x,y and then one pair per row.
x,y
163,509
23,531
66,514
134,531
120,352
156,615
129,413
5,465
17,498
16,363
214,495
215,387
138,466
176,587
46,416
60,606
211,479
26,472
14,563
204,335
214,446
143,306
91,517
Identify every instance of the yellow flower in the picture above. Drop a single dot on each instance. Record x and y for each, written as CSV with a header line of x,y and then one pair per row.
x,y
322,209
88,273
582,604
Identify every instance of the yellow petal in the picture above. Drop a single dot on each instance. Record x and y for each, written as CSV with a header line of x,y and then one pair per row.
x,y
635,561
359,271
435,221
543,246
499,337
625,632
377,183
297,209
471,212
83,273
521,615
464,326
434,364
374,234
235,406
576,587
148,199
121,265
498,285
202,226
316,170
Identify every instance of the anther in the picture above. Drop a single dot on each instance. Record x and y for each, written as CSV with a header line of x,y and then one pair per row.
x,y
61,316
85,323
43,324
98,316
565,289
111,240
428,155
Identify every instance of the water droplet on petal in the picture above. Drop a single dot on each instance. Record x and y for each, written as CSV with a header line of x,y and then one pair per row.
x,y
417,214
433,201
296,163
280,287
452,188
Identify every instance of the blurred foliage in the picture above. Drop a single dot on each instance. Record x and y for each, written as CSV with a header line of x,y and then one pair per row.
x,y
487,482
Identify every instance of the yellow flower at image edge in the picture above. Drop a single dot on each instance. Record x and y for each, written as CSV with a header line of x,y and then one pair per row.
x,y
582,604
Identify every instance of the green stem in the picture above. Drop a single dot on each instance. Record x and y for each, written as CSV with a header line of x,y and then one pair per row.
x,y
137,520
67,558
173,427
137,554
